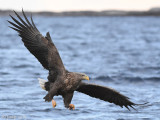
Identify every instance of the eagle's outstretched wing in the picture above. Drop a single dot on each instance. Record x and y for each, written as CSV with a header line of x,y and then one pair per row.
x,y
106,94
41,47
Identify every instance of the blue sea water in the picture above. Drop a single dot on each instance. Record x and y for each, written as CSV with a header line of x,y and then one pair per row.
x,y
118,52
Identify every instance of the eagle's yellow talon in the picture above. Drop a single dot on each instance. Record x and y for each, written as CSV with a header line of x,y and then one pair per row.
x,y
71,107
54,103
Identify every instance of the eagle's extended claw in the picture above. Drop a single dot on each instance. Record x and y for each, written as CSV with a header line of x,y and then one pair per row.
x,y
54,103
71,107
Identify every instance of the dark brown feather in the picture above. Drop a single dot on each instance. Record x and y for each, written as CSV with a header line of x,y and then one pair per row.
x,y
106,94
41,47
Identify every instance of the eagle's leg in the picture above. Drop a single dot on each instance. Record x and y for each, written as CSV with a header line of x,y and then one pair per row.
x,y
51,94
48,97
54,103
67,100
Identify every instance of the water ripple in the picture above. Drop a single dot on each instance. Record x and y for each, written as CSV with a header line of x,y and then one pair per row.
x,y
118,52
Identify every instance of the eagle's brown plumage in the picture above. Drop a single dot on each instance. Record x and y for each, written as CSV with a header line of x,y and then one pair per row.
x,y
60,81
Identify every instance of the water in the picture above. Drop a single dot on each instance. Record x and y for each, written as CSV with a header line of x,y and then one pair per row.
x,y
119,52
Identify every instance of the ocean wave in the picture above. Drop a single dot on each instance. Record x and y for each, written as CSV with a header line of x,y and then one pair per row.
x,y
4,73
103,78
130,79
153,79
23,66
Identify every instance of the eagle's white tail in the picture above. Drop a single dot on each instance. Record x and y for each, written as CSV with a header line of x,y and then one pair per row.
x,y
42,83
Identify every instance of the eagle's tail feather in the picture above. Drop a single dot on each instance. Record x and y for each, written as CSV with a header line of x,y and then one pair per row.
x,y
43,84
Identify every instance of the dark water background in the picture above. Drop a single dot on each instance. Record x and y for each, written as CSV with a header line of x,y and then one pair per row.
x,y
119,52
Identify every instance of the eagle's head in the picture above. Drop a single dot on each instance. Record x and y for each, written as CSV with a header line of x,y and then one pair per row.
x,y
81,76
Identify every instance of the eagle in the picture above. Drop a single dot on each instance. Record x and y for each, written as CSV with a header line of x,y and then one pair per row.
x,y
60,80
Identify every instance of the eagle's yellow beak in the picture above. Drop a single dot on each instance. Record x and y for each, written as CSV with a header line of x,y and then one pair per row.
x,y
86,77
